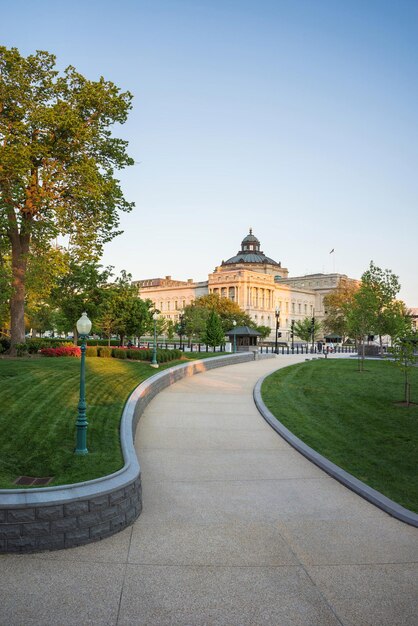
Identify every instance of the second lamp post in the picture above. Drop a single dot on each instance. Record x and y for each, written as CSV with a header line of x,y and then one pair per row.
x,y
154,362
277,314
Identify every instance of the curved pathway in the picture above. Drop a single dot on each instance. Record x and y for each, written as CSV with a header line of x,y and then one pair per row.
x,y
237,529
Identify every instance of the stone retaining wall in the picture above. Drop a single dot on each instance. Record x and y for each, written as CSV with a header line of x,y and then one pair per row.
x,y
52,518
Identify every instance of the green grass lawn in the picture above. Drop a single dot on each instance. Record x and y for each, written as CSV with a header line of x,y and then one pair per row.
x,y
352,419
38,412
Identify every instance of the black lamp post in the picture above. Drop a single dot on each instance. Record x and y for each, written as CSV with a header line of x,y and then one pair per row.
x,y
277,314
181,329
292,334
313,331
234,323
154,362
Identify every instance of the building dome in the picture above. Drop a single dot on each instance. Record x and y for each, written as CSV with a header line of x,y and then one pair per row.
x,y
250,253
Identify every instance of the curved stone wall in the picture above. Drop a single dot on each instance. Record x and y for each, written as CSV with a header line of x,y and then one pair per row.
x,y
52,518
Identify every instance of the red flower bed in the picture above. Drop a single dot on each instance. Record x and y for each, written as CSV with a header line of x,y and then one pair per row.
x,y
62,351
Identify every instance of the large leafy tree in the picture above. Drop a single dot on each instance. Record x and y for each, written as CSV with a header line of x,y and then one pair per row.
x,y
336,304
80,288
5,284
196,314
382,287
121,311
45,269
360,319
57,162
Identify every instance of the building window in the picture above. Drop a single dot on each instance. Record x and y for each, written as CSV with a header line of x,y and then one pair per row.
x,y
299,308
293,307
176,305
305,309
161,306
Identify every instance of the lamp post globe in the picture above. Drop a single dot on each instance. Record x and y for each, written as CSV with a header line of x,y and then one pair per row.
x,y
234,323
83,329
154,362
277,315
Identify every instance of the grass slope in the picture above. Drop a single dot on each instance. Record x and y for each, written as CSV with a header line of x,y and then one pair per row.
x,y
352,419
38,412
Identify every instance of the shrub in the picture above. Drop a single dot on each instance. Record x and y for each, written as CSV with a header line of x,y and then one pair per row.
x,y
120,353
104,351
21,349
37,343
91,351
5,344
62,351
100,342
136,355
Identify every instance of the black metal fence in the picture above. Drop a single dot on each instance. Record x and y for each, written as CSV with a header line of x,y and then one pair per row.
x,y
306,349
185,347
298,349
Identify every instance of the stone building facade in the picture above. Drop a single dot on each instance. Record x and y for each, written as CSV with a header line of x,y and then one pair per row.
x,y
257,283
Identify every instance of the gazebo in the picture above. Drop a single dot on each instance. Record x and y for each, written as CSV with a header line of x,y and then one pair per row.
x,y
245,338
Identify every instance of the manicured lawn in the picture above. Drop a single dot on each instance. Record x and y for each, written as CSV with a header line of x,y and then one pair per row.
x,y
38,411
352,419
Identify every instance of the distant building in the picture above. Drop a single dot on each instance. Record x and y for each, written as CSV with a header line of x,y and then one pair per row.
x,y
256,282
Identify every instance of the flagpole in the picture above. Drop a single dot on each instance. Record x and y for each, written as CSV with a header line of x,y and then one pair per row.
x,y
333,259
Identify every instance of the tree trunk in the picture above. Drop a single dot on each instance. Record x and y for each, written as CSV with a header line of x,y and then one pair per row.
x,y
381,345
20,249
75,338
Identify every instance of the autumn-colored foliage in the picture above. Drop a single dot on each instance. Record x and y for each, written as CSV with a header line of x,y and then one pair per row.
x,y
62,351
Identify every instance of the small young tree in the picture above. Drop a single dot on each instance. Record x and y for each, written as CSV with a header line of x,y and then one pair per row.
x,y
304,329
214,334
170,329
360,318
264,331
195,318
382,287
405,353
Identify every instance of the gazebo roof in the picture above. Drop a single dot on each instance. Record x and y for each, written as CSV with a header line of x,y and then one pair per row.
x,y
244,331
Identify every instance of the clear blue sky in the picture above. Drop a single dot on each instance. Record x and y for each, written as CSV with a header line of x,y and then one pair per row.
x,y
298,118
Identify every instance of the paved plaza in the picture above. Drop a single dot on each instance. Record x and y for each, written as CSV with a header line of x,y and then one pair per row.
x,y
237,529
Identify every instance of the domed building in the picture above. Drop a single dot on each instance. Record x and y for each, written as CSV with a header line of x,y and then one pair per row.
x,y
256,282
250,257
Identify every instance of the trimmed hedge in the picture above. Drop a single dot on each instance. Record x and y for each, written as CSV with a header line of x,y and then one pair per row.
x,y
104,351
62,351
91,350
100,342
163,356
35,344
120,353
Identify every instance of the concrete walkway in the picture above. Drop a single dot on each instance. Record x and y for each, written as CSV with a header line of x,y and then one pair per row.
x,y
237,529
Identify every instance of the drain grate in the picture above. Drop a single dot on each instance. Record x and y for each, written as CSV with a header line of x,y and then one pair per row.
x,y
29,481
